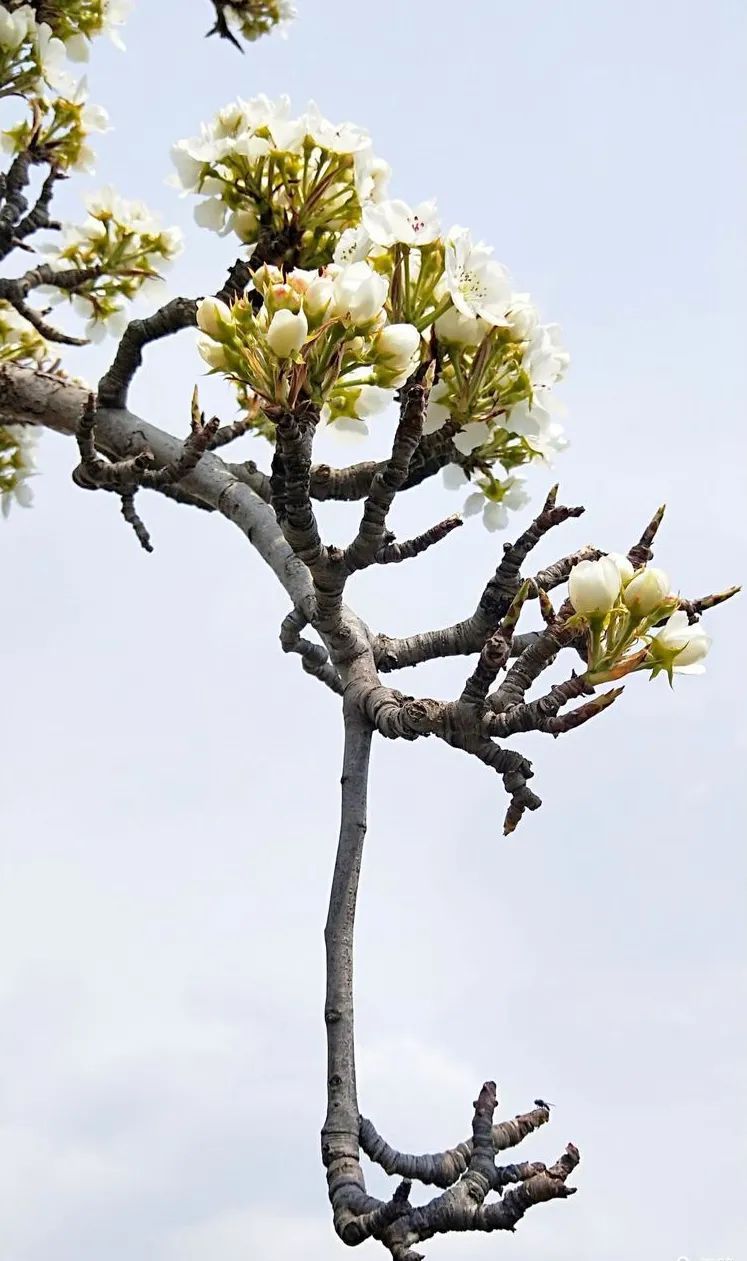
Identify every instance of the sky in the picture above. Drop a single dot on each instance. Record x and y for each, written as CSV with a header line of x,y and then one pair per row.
x,y
169,778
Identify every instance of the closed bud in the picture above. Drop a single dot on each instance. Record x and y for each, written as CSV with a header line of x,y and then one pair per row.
x,y
318,297
397,345
646,591
214,318
594,586
287,333
213,353
624,566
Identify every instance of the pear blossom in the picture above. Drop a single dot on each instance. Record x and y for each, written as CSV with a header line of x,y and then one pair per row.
x,y
213,317
391,222
211,214
343,138
528,417
287,333
437,411
495,511
359,294
318,296
17,465
15,27
690,643
353,246
646,591
594,586
454,477
371,175
213,353
624,566
53,59
478,286
398,345
460,329
470,436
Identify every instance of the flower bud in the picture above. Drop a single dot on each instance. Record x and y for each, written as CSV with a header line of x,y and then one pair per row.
x,y
646,591
213,353
214,318
318,297
452,326
594,586
359,294
265,276
397,344
245,224
624,566
685,646
287,333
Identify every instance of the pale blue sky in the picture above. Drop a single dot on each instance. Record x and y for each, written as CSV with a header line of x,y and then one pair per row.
x,y
161,998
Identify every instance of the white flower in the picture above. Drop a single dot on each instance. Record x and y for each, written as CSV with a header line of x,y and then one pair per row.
x,y
471,436
318,296
77,48
213,353
52,59
646,592
452,326
371,175
287,332
454,477
370,400
214,317
550,442
398,345
17,465
116,12
495,513
593,586
188,167
545,359
522,316
211,214
391,222
437,412
478,286
336,137
245,224
16,27
691,643
528,418
352,247
623,565
359,294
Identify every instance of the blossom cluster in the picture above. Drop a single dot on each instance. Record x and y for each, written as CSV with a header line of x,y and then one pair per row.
x,y
624,609
33,66
326,330
19,340
314,191
17,465
301,181
252,18
126,247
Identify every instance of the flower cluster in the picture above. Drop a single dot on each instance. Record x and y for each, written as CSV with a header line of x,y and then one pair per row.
x,y
17,465
298,181
313,196
127,249
19,340
253,18
624,609
34,66
326,332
